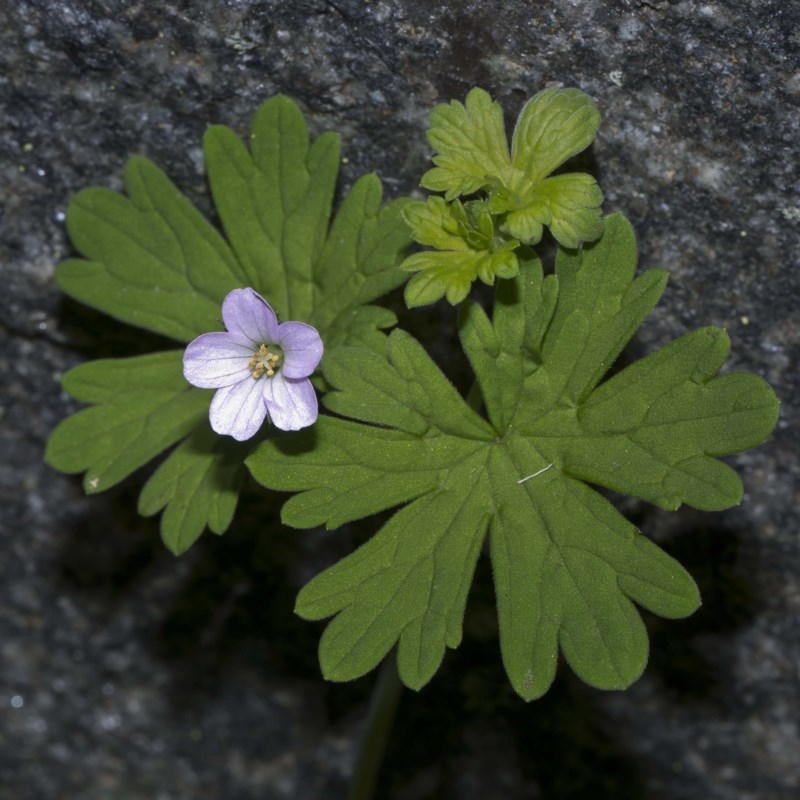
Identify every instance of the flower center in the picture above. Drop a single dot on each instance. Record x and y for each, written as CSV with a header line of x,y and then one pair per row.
x,y
264,361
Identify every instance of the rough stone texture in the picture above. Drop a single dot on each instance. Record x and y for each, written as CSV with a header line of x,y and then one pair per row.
x,y
128,674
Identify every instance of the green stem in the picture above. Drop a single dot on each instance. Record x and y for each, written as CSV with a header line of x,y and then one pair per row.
x,y
382,708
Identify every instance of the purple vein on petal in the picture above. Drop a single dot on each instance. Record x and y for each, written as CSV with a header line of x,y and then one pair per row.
x,y
216,359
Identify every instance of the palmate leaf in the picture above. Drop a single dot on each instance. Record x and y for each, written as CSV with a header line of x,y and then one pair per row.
x,y
568,568
152,260
467,250
472,154
471,145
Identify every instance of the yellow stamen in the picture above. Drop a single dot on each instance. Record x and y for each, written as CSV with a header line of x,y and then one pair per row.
x,y
263,361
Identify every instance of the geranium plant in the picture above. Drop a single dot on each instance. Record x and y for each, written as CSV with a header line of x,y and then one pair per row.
x,y
512,466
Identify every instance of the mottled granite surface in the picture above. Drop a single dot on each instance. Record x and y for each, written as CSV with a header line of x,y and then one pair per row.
x,y
126,673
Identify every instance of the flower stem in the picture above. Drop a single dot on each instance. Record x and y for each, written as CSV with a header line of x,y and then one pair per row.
x,y
380,717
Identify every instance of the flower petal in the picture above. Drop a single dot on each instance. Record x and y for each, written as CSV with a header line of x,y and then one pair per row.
x,y
239,410
302,349
292,404
247,313
214,360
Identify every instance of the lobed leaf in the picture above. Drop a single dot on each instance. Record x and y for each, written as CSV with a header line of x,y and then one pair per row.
x,y
152,259
471,145
274,201
554,125
386,579
447,274
198,485
566,567
468,249
359,263
569,570
600,306
654,430
143,405
343,465
155,262
567,204
504,352
472,155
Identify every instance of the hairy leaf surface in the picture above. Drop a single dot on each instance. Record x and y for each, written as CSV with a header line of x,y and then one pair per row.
x,y
152,260
569,569
472,154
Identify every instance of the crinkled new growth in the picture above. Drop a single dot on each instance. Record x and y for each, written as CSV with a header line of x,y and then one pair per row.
x,y
258,367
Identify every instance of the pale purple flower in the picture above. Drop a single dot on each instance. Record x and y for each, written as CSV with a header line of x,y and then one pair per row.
x,y
258,368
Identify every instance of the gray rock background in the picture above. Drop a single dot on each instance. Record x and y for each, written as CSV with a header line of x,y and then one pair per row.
x,y
126,673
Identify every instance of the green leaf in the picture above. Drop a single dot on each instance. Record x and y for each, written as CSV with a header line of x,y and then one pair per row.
x,y
567,567
568,204
152,260
620,430
471,145
503,353
472,155
275,205
359,263
274,201
198,484
569,570
555,125
468,250
142,406
451,274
